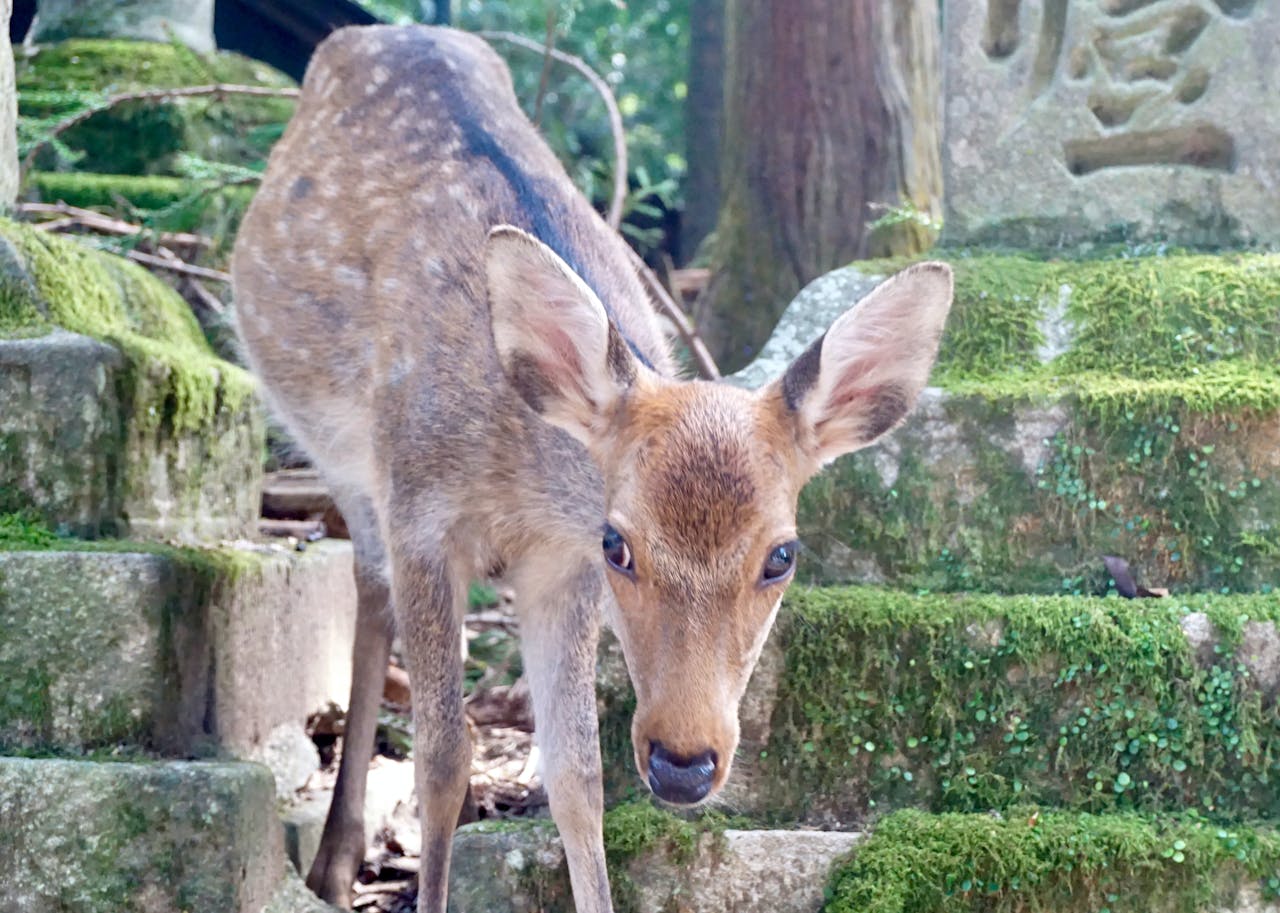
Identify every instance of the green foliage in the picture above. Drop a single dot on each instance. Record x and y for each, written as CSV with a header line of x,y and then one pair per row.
x,y
982,702
143,137
176,380
641,49
1051,861
23,530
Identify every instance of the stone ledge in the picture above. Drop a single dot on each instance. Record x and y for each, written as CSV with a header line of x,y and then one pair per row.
x,y
72,449
521,869
178,651
150,838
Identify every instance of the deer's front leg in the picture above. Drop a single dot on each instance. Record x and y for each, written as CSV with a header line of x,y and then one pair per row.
x,y
429,613
559,628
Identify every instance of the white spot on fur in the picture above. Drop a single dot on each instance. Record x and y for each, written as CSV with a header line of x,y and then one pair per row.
x,y
350,278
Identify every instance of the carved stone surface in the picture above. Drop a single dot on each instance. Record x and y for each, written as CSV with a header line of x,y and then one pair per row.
x,y
1126,120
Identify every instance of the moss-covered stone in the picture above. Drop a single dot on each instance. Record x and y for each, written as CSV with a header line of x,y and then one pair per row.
x,y
144,430
1016,486
1040,859
137,838
145,137
1125,406
118,646
869,700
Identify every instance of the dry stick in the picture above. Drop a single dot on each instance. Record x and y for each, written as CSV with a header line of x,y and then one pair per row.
x,y
672,311
149,95
183,268
544,78
105,224
614,217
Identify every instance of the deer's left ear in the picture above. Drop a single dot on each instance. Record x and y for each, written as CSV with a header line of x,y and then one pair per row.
x,y
558,347
858,381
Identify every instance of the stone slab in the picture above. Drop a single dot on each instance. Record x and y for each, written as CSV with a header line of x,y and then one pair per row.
x,y
522,870
173,653
137,838
1120,120
72,450
189,21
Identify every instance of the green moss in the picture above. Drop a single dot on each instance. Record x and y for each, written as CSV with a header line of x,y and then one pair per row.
x,y
1035,859
980,702
22,532
1148,317
176,382
144,137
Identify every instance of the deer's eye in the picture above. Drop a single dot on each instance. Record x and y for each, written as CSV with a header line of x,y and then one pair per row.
x,y
617,552
780,563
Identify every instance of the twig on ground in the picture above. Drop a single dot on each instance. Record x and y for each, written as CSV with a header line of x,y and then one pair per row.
x,y
614,217
216,89
106,224
179,266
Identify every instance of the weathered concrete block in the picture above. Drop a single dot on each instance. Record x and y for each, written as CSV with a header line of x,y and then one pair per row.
x,y
181,652
1070,122
137,838
522,870
73,449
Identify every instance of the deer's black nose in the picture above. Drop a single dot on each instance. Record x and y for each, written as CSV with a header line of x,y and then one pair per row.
x,y
681,781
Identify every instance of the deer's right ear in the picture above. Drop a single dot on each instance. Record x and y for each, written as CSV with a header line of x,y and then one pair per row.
x,y
557,345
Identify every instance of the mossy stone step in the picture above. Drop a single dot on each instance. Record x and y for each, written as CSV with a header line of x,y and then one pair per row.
x,y
142,838
868,700
910,862
118,418
178,651
1126,406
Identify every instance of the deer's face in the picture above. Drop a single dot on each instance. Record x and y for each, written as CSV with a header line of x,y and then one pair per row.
x,y
698,540
699,545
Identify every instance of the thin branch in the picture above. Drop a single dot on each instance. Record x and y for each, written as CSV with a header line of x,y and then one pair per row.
x,y
614,218
218,89
105,224
544,78
179,266
668,308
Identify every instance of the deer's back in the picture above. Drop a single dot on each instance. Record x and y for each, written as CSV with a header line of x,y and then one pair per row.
x,y
359,268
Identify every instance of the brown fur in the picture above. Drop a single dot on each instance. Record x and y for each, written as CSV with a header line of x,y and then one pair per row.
x,y
480,396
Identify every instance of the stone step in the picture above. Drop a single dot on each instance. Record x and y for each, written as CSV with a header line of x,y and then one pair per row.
x,y
1040,859
868,700
153,837
1114,407
118,418
178,651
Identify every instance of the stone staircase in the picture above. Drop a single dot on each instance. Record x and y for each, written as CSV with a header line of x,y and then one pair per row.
x,y
153,688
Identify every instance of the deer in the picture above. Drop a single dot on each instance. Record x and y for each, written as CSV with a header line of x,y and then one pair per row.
x,y
461,344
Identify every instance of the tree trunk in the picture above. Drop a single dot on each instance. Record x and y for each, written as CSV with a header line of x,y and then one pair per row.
x,y
832,113
704,123
190,21
8,115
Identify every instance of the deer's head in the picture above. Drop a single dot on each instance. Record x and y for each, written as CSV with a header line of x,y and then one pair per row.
x,y
698,539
